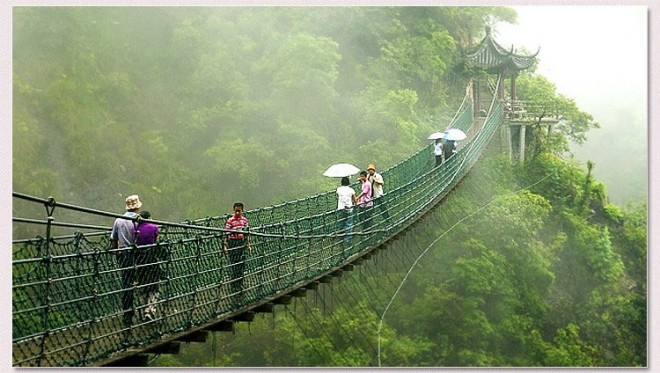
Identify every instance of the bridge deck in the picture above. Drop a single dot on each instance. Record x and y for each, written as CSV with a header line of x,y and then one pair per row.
x,y
67,290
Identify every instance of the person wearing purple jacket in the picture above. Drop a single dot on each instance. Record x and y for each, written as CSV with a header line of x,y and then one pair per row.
x,y
147,259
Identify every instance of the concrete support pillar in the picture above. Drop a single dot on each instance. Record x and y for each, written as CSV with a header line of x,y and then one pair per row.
x,y
509,144
476,101
513,90
522,143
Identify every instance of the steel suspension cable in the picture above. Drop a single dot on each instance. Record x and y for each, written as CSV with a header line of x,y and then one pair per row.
x,y
371,300
308,311
339,325
359,328
357,304
295,319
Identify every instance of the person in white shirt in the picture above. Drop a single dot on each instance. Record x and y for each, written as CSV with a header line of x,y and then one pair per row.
x,y
437,151
345,200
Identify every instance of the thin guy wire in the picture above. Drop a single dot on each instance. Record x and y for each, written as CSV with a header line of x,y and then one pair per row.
x,y
380,324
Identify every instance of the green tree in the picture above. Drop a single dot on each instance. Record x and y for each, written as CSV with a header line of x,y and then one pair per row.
x,y
568,350
545,102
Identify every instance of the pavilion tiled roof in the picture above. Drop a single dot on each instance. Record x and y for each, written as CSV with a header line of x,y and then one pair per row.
x,y
493,57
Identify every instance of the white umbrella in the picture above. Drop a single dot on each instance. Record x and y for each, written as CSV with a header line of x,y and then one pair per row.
x,y
435,136
454,134
341,170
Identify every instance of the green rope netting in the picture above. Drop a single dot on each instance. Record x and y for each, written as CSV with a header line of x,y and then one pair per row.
x,y
67,291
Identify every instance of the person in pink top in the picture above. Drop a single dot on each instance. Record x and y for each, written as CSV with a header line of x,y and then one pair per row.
x,y
365,202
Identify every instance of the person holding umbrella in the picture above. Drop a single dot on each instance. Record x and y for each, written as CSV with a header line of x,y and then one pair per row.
x,y
449,148
452,136
437,151
345,196
345,200
437,146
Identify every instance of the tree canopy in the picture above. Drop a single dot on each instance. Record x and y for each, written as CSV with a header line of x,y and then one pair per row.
x,y
195,107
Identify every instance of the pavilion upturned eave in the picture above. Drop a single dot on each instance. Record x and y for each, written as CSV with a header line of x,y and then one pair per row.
x,y
492,56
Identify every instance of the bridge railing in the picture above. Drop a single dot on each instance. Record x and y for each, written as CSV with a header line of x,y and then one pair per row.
x,y
67,291
531,110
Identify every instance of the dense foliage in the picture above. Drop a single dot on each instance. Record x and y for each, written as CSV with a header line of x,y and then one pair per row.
x,y
192,108
516,276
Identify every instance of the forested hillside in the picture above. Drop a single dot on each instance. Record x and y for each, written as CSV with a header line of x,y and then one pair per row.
x,y
519,267
194,108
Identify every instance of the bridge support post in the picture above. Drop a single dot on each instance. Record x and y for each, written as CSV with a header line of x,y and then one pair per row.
x,y
521,153
509,143
505,139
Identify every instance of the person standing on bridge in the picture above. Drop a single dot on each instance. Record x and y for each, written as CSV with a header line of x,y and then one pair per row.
x,y
437,151
123,243
449,148
148,271
235,245
365,202
345,200
376,180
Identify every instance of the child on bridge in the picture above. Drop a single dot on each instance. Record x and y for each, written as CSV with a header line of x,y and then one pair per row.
x,y
236,244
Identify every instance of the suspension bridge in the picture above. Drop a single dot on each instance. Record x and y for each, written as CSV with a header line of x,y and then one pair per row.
x,y
67,290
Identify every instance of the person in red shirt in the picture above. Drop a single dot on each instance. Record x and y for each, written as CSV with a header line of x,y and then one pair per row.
x,y
235,245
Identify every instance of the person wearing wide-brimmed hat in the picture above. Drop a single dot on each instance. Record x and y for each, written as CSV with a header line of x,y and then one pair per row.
x,y
123,241
376,180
